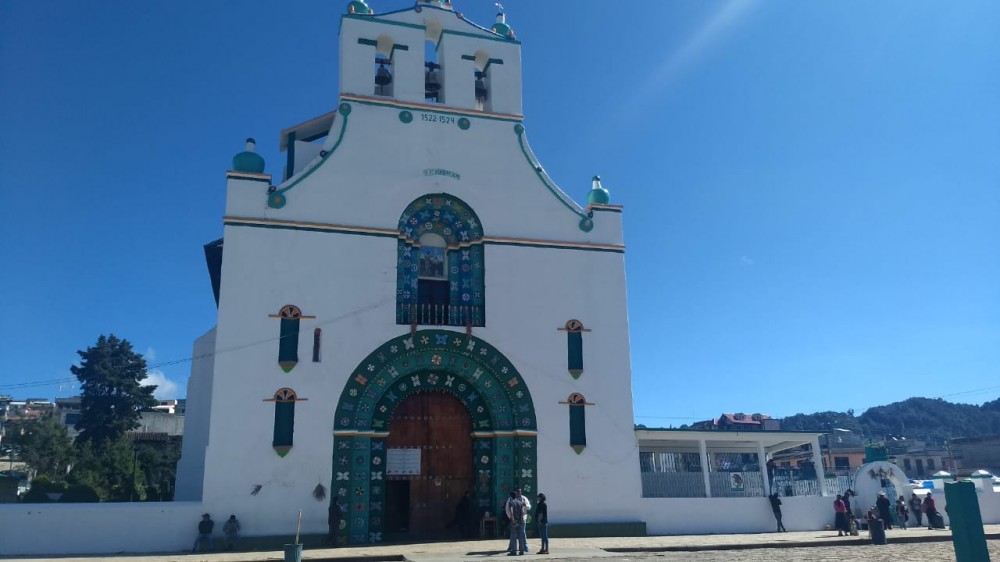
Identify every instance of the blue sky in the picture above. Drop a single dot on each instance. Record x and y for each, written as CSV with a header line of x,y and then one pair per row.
x,y
810,188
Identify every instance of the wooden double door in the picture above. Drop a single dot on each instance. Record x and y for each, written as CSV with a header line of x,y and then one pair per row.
x,y
423,506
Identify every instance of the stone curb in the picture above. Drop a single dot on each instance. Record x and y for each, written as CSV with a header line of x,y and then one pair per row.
x,y
944,537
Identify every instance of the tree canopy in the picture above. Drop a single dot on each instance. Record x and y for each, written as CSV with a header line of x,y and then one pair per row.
x,y
46,447
110,375
931,419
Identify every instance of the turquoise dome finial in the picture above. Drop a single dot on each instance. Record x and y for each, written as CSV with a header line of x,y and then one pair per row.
x,y
359,7
501,28
598,195
248,160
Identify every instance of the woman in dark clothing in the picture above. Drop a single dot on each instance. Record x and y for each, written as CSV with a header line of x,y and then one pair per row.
x,y
542,519
884,510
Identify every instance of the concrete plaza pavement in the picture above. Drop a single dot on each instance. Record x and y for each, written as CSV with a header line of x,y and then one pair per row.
x,y
822,546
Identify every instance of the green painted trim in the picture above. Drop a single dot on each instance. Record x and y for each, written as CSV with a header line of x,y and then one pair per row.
x,y
289,153
277,199
369,42
519,129
605,210
401,105
571,530
397,47
334,230
468,57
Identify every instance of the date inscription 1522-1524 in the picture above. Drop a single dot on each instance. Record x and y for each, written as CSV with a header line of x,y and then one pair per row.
x,y
437,118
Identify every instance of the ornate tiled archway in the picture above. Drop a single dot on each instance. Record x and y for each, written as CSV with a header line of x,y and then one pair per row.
x,y
477,374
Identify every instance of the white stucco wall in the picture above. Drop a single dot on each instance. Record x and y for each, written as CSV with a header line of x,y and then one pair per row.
x,y
197,417
686,516
31,529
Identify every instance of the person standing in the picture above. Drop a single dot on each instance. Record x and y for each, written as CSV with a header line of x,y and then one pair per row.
x,y
231,529
930,509
847,502
514,510
205,527
461,517
770,464
884,510
334,515
776,509
915,509
840,516
542,520
901,512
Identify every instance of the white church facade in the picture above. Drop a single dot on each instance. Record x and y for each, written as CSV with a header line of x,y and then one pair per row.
x,y
412,310
416,310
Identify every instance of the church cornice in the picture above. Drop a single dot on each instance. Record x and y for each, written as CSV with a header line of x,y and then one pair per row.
x,y
394,233
386,102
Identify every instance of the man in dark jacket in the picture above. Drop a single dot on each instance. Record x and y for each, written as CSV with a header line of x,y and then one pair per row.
x,y
776,508
205,527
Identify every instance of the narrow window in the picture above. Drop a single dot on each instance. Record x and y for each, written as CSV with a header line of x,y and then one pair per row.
x,y
284,420
482,80
577,421
383,66
317,337
288,343
574,347
288,339
433,73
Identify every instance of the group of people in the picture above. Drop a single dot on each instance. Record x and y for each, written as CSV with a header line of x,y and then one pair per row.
x,y
230,529
846,525
884,511
516,509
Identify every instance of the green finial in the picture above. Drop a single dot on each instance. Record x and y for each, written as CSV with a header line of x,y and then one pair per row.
x,y
598,195
248,160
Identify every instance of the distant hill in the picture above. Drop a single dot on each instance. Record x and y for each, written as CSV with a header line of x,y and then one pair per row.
x,y
929,419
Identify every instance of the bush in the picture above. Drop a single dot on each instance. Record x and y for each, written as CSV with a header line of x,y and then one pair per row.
x,y
81,493
41,487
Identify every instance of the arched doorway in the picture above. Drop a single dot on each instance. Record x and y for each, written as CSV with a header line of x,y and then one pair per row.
x,y
468,369
434,428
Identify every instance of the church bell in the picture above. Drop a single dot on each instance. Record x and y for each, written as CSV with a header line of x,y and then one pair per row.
x,y
382,76
480,86
432,82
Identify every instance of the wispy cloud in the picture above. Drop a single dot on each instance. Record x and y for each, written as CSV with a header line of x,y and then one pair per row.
x,y
165,388
747,260
149,355
693,50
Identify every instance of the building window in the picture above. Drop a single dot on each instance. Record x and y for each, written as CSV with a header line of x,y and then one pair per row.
x,y
930,464
842,462
574,347
284,420
433,71
317,338
481,80
577,421
440,267
384,80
